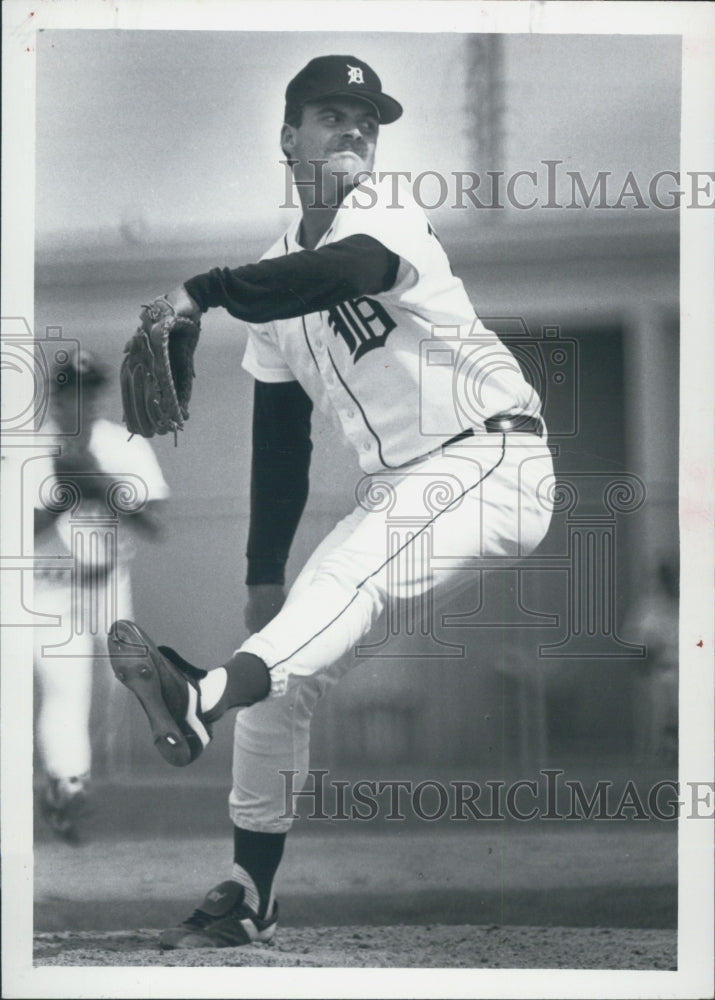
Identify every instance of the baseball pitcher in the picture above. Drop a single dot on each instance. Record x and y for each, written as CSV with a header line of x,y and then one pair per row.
x,y
354,310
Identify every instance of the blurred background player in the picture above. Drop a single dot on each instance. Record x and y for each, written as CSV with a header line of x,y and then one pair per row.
x,y
93,454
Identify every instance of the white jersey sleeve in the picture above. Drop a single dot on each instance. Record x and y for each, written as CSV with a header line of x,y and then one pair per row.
x,y
116,454
263,358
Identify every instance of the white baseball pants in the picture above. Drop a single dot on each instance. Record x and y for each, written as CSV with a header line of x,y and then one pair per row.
x,y
65,662
414,530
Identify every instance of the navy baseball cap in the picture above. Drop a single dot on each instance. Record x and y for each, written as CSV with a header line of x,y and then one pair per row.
x,y
340,76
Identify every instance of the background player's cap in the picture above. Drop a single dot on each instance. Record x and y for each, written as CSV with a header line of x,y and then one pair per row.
x,y
85,370
340,76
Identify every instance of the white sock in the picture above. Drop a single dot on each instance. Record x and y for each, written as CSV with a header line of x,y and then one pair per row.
x,y
212,686
241,876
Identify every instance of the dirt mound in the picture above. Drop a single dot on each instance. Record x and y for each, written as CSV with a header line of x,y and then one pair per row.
x,y
438,946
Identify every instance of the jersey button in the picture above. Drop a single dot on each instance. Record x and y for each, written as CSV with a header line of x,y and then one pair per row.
x,y
350,414
367,446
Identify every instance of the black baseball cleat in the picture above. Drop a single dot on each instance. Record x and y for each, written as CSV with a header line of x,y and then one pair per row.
x,y
222,921
167,688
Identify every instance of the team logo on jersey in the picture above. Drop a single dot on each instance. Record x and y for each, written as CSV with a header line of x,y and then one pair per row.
x,y
363,323
354,74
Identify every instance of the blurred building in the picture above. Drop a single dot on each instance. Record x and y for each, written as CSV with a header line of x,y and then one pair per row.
x,y
585,282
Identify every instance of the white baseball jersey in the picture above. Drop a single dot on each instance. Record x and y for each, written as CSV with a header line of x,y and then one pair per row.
x,y
115,455
403,370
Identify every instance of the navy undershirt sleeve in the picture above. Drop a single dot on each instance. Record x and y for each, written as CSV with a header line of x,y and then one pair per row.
x,y
300,283
279,476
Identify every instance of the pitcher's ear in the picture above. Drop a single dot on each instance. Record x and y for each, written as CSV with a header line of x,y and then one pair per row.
x,y
287,137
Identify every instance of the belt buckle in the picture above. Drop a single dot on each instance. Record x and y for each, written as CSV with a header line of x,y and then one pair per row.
x,y
515,423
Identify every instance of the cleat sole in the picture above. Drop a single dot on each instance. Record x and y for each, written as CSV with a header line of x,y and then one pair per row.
x,y
133,659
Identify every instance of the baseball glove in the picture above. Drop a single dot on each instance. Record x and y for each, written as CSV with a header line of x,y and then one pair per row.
x,y
157,371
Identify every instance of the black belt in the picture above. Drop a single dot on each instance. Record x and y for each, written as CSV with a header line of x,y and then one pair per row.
x,y
506,423
515,423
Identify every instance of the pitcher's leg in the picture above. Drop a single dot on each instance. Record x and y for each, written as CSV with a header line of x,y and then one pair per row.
x,y
271,752
466,506
270,766
474,502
